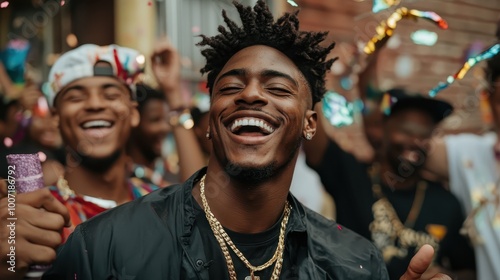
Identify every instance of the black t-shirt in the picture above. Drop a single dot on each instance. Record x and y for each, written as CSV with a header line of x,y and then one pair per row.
x,y
257,249
440,216
349,182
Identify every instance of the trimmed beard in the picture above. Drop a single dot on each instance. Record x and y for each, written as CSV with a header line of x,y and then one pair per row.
x,y
95,165
258,175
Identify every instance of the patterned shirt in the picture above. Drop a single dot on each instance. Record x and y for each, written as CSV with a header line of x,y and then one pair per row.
x,y
82,208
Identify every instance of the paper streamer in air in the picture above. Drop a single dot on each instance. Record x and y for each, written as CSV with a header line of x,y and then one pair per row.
x,y
471,62
386,28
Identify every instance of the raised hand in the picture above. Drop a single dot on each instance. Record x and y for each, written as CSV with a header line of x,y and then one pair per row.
x,y
34,236
166,65
419,265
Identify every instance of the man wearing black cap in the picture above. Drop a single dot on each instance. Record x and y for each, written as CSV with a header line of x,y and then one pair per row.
x,y
389,202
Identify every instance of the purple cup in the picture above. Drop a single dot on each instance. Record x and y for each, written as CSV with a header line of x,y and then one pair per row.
x,y
28,172
28,178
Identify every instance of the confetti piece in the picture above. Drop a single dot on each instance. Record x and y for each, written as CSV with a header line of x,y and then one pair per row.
x,y
471,62
424,37
346,83
432,16
41,108
338,111
386,28
7,141
291,2
386,104
339,227
14,58
42,156
4,4
380,5
485,108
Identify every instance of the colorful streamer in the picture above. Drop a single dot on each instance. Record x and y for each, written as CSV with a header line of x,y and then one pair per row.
x,y
487,54
340,113
380,5
386,28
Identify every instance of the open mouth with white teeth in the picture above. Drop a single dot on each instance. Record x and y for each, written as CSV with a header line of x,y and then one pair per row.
x,y
97,128
96,124
251,127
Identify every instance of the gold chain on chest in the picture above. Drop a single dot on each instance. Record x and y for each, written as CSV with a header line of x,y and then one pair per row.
x,y
224,240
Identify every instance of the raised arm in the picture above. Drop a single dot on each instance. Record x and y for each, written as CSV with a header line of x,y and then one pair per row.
x,y
368,78
166,68
437,158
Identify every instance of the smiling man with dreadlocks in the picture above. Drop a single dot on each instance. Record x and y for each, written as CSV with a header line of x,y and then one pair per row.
x,y
235,219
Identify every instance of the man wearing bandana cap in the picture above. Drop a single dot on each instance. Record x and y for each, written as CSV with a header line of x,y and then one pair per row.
x,y
92,93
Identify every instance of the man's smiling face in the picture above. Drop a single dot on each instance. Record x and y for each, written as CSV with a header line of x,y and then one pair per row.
x,y
96,115
259,112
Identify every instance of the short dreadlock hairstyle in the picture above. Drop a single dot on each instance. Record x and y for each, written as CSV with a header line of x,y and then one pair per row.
x,y
493,66
259,28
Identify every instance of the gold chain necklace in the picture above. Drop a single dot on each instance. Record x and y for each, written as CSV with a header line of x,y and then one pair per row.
x,y
415,209
224,240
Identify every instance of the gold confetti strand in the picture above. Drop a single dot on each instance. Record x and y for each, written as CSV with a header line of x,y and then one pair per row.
x,y
386,28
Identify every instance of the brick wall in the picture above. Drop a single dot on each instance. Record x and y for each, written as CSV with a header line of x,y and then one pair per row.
x,y
469,21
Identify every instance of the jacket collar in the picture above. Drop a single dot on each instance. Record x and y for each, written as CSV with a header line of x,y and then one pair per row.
x,y
296,221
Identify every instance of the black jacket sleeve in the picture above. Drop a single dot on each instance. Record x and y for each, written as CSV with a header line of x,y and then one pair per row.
x,y
72,260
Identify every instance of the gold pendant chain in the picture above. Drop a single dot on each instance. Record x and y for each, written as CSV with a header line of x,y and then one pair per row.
x,y
416,206
224,240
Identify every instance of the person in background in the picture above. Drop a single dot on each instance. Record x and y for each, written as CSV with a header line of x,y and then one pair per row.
x,y
166,69
163,112
388,201
471,163
39,135
199,111
10,111
146,140
29,125
92,95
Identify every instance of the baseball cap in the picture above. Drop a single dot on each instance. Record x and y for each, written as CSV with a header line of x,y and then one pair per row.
x,y
396,100
82,62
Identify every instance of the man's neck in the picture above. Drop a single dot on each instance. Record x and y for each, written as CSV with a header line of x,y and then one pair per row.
x,y
245,208
393,179
111,184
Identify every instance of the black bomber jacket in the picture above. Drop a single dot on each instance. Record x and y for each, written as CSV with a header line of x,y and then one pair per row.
x,y
155,237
